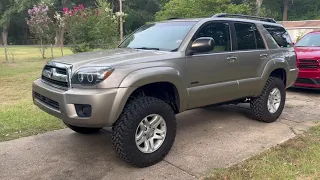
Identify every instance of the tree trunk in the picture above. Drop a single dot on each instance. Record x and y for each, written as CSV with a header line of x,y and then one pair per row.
x,y
42,49
56,38
5,35
1,42
59,39
258,4
285,10
63,29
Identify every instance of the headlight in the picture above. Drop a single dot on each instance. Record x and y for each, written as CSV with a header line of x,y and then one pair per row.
x,y
89,76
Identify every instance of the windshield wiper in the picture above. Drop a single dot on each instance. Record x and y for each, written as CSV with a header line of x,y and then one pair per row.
x,y
148,48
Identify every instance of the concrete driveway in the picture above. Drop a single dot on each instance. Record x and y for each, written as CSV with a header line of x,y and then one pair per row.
x,y
207,138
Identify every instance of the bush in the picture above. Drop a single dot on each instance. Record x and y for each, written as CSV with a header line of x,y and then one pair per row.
x,y
40,25
91,28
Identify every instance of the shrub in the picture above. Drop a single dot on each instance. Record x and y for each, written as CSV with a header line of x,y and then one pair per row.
x,y
91,28
41,25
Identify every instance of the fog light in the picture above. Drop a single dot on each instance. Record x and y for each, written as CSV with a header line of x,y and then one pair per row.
x,y
83,110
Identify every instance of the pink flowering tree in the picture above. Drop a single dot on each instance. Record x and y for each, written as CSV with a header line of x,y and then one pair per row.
x,y
40,25
91,28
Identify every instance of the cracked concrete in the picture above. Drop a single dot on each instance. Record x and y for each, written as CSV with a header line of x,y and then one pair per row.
x,y
207,138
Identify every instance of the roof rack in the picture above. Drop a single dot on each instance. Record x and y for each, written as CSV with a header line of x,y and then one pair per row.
x,y
271,20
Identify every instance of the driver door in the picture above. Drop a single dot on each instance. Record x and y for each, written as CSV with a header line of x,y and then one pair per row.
x,y
212,76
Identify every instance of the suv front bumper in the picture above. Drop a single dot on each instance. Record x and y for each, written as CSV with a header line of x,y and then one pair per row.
x,y
308,79
107,104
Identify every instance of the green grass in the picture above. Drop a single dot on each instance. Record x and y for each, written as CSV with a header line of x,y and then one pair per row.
x,y
298,158
18,116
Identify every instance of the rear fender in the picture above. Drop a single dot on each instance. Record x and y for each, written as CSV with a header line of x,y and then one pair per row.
x,y
278,63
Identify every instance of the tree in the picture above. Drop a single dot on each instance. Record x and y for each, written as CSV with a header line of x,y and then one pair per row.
x,y
259,4
10,8
7,8
285,10
59,39
91,28
200,8
140,11
40,25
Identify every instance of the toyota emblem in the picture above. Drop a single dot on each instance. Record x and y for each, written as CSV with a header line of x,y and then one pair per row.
x,y
50,73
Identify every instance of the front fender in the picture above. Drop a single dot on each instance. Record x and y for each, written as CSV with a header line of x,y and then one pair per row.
x,y
142,77
157,74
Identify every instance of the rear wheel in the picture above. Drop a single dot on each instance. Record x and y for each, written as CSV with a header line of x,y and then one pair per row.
x,y
269,105
83,130
145,132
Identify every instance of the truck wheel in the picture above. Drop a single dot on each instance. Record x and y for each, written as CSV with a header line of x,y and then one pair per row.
x,y
269,105
83,130
145,131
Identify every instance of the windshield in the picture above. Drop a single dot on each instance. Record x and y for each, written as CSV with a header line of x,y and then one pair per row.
x,y
310,40
160,36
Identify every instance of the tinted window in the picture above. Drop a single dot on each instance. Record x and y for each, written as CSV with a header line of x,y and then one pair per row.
x,y
219,32
248,37
309,40
162,36
280,35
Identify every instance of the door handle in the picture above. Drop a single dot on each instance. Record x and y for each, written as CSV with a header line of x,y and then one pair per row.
x,y
231,59
263,55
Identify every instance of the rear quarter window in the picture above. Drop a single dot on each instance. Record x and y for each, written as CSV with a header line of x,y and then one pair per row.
x,y
280,35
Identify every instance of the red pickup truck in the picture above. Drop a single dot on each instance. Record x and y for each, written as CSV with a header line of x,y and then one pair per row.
x,y
308,61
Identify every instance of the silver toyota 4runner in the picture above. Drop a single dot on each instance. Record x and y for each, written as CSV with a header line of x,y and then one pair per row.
x,y
163,69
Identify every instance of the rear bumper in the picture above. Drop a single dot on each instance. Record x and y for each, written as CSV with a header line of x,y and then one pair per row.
x,y
308,79
106,106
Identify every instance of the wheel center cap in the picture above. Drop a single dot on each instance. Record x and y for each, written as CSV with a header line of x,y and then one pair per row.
x,y
149,133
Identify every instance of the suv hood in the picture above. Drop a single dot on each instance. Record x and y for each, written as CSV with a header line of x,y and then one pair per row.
x,y
312,53
114,57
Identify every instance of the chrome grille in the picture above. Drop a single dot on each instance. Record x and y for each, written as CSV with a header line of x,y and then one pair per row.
x,y
57,75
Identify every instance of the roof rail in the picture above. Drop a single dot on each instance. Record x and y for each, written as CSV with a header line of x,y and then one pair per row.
x,y
246,17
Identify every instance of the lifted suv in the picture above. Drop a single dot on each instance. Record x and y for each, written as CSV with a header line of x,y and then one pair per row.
x,y
166,68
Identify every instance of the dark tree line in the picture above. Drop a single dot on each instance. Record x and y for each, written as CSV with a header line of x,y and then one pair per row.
x,y
14,29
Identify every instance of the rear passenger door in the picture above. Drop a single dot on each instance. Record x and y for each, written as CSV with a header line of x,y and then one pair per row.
x,y
252,56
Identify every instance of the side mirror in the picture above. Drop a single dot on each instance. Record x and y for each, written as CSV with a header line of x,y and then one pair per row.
x,y
202,45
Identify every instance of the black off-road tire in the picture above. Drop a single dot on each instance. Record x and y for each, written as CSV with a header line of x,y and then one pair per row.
x,y
259,107
123,134
83,130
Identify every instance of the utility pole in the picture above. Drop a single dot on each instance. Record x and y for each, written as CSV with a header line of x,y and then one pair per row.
x,y
121,20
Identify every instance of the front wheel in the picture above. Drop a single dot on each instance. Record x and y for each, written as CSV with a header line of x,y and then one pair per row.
x,y
145,132
269,105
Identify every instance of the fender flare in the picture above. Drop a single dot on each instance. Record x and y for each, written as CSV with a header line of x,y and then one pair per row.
x,y
145,76
270,67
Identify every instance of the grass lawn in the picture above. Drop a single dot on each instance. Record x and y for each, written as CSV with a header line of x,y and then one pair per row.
x,y
298,158
18,116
